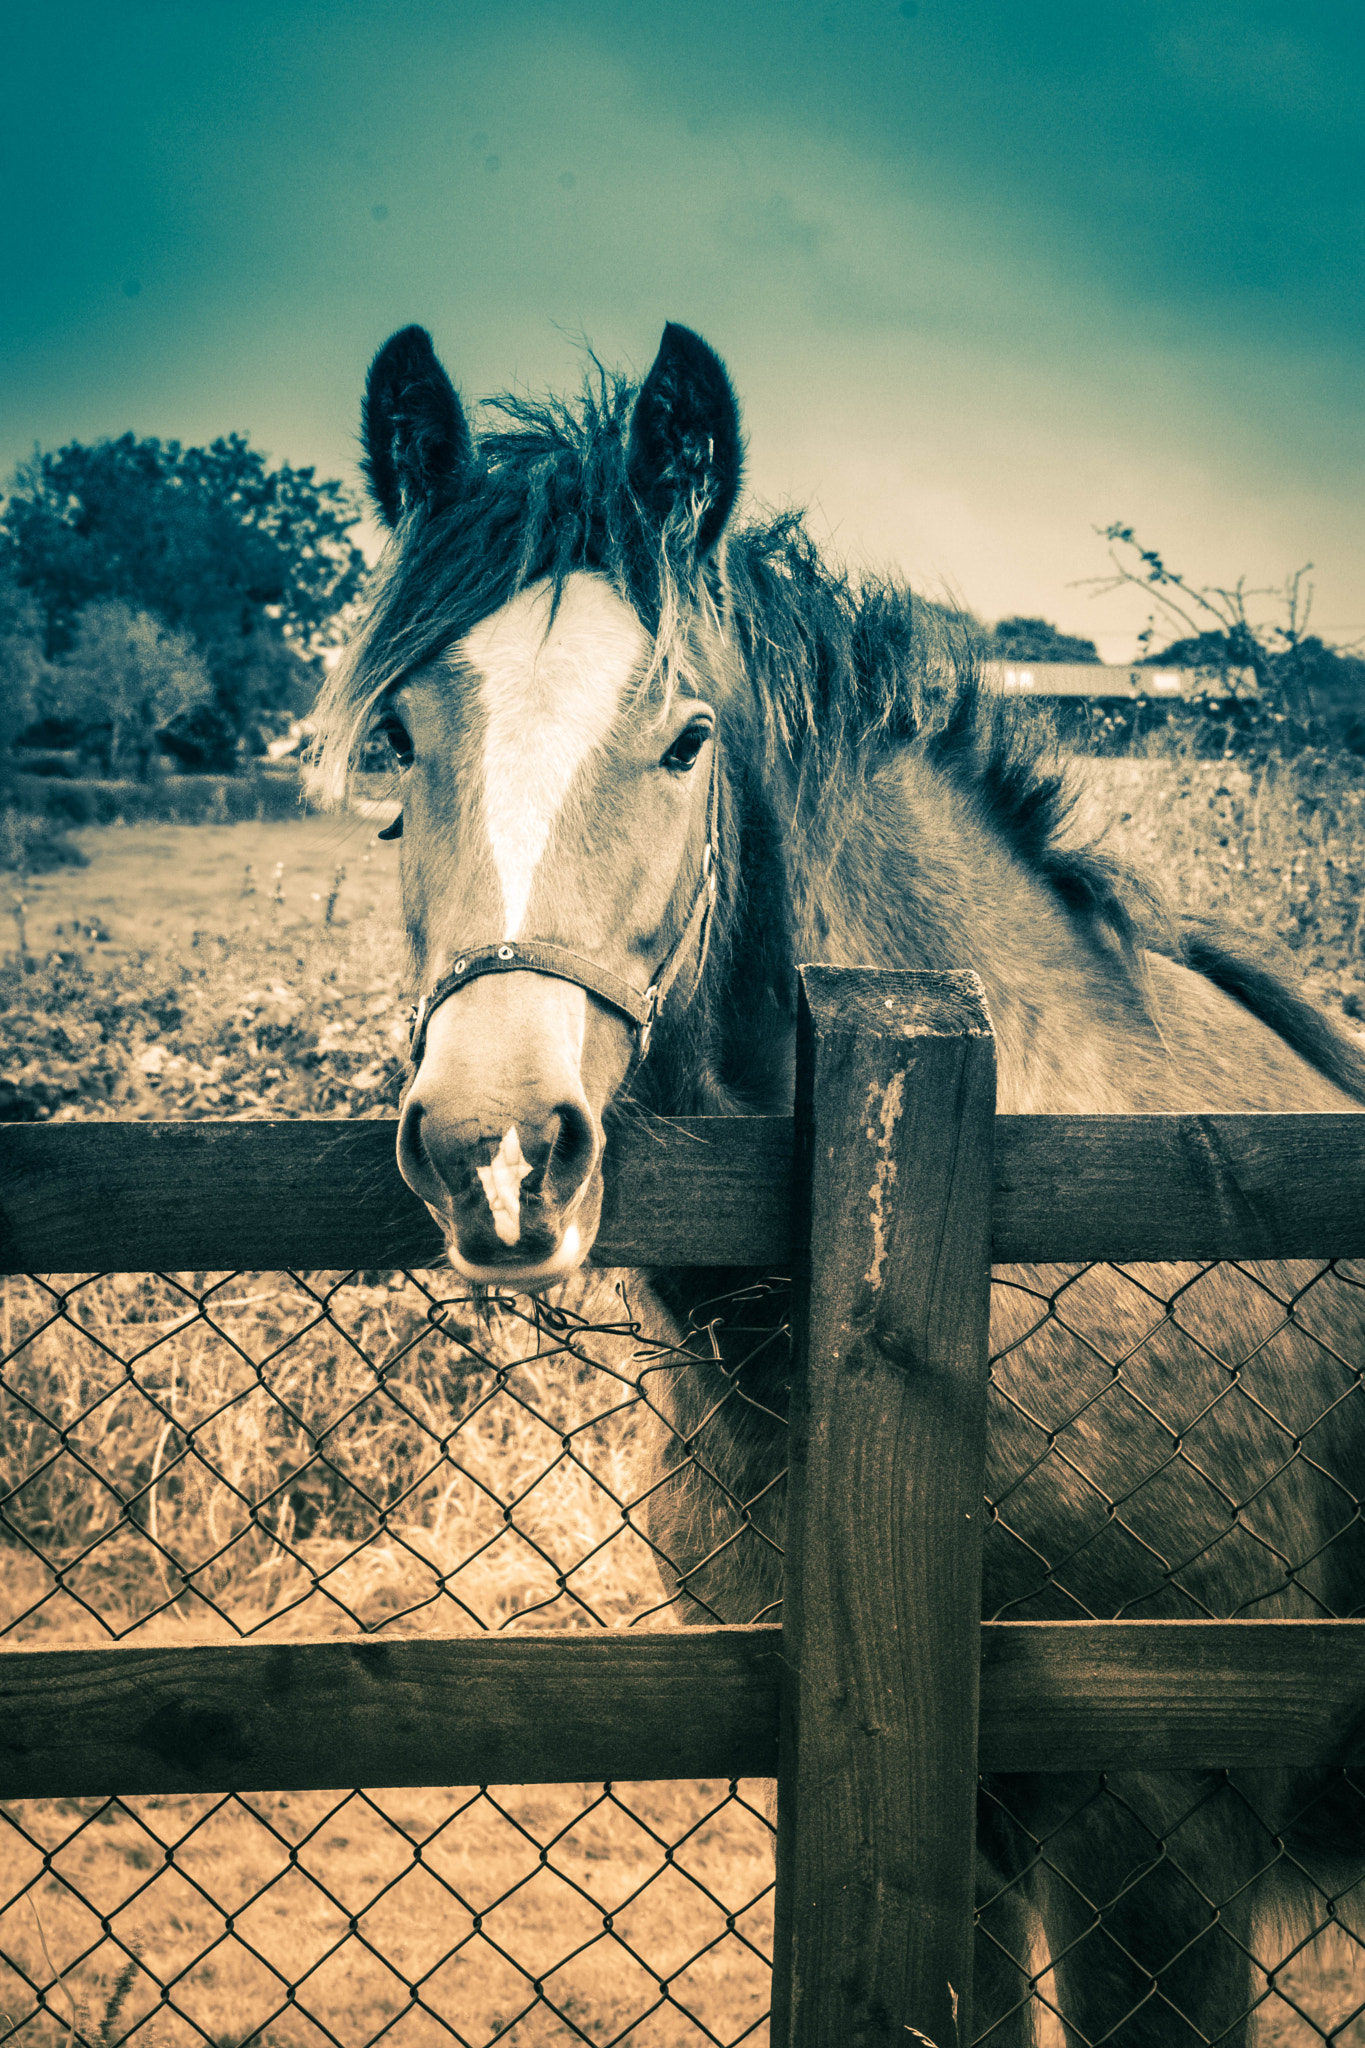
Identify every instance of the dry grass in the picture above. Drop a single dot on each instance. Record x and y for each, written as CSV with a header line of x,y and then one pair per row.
x,y
1318,1997
1278,849
544,1914
265,1453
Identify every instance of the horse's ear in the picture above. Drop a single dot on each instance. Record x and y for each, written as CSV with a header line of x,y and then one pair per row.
x,y
685,449
417,445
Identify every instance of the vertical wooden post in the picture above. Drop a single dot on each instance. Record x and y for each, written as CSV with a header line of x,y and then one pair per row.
x,y
881,1610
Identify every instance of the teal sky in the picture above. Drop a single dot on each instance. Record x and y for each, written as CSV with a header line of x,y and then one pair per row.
x,y
986,276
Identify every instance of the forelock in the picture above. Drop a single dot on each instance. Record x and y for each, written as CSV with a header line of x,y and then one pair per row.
x,y
552,497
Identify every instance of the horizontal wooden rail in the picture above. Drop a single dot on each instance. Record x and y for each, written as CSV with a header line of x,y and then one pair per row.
x,y
690,1703
325,1192
425,1710
1171,1695
1236,1186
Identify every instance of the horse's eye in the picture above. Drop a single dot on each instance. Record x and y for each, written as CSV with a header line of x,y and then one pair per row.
x,y
686,747
397,736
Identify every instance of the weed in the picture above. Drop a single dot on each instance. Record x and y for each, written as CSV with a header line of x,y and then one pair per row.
x,y
1278,849
251,1028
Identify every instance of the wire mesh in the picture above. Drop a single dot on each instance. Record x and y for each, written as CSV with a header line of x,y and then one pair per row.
x,y
226,1455
556,1914
212,1456
1171,1442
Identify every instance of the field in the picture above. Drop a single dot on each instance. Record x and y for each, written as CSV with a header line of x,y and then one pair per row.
x,y
211,1453
157,885
207,970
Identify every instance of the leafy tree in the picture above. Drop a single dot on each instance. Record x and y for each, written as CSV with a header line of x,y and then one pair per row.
x,y
1208,650
126,677
23,666
254,565
1020,639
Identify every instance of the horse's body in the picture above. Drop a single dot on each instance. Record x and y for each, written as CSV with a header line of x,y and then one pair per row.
x,y
633,754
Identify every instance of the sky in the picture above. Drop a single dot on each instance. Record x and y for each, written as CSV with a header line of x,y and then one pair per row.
x,y
987,277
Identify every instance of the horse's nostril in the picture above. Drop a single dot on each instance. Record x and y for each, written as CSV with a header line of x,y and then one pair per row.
x,y
414,1160
571,1152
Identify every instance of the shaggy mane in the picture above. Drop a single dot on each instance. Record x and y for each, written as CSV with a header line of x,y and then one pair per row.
x,y
849,668
841,668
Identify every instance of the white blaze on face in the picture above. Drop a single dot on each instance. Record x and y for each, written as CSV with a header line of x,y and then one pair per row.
x,y
501,1180
549,699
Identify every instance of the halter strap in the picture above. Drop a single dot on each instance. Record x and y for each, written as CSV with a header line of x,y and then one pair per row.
x,y
541,956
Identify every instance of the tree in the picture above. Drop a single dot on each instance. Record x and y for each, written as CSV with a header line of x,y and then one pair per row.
x,y
1325,683
1208,650
126,678
23,666
1020,639
254,565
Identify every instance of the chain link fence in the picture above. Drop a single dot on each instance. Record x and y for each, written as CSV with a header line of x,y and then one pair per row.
x,y
226,1455
1175,1442
216,1456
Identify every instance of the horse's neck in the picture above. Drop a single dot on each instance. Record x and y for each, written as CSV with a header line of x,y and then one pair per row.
x,y
904,872
892,870
896,869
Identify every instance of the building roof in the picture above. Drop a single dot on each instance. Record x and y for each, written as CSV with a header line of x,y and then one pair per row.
x,y
1104,679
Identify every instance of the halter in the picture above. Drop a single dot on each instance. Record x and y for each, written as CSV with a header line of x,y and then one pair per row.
x,y
540,956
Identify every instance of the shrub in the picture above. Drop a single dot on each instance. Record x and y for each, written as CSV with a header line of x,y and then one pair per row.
x,y
245,1028
174,799
35,845
126,677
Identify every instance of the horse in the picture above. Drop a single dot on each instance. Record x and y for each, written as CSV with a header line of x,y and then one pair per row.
x,y
653,753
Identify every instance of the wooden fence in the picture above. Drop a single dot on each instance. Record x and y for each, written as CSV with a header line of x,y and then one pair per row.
x,y
892,1191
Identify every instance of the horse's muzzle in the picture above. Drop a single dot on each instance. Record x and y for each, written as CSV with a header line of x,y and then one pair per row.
x,y
498,1135
515,1205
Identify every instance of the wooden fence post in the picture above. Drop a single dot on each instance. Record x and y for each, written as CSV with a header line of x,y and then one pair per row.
x,y
881,1611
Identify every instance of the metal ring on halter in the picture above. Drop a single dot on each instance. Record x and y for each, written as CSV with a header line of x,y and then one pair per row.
x,y
541,956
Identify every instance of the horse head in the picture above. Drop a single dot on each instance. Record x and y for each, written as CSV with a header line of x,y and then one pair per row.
x,y
545,692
